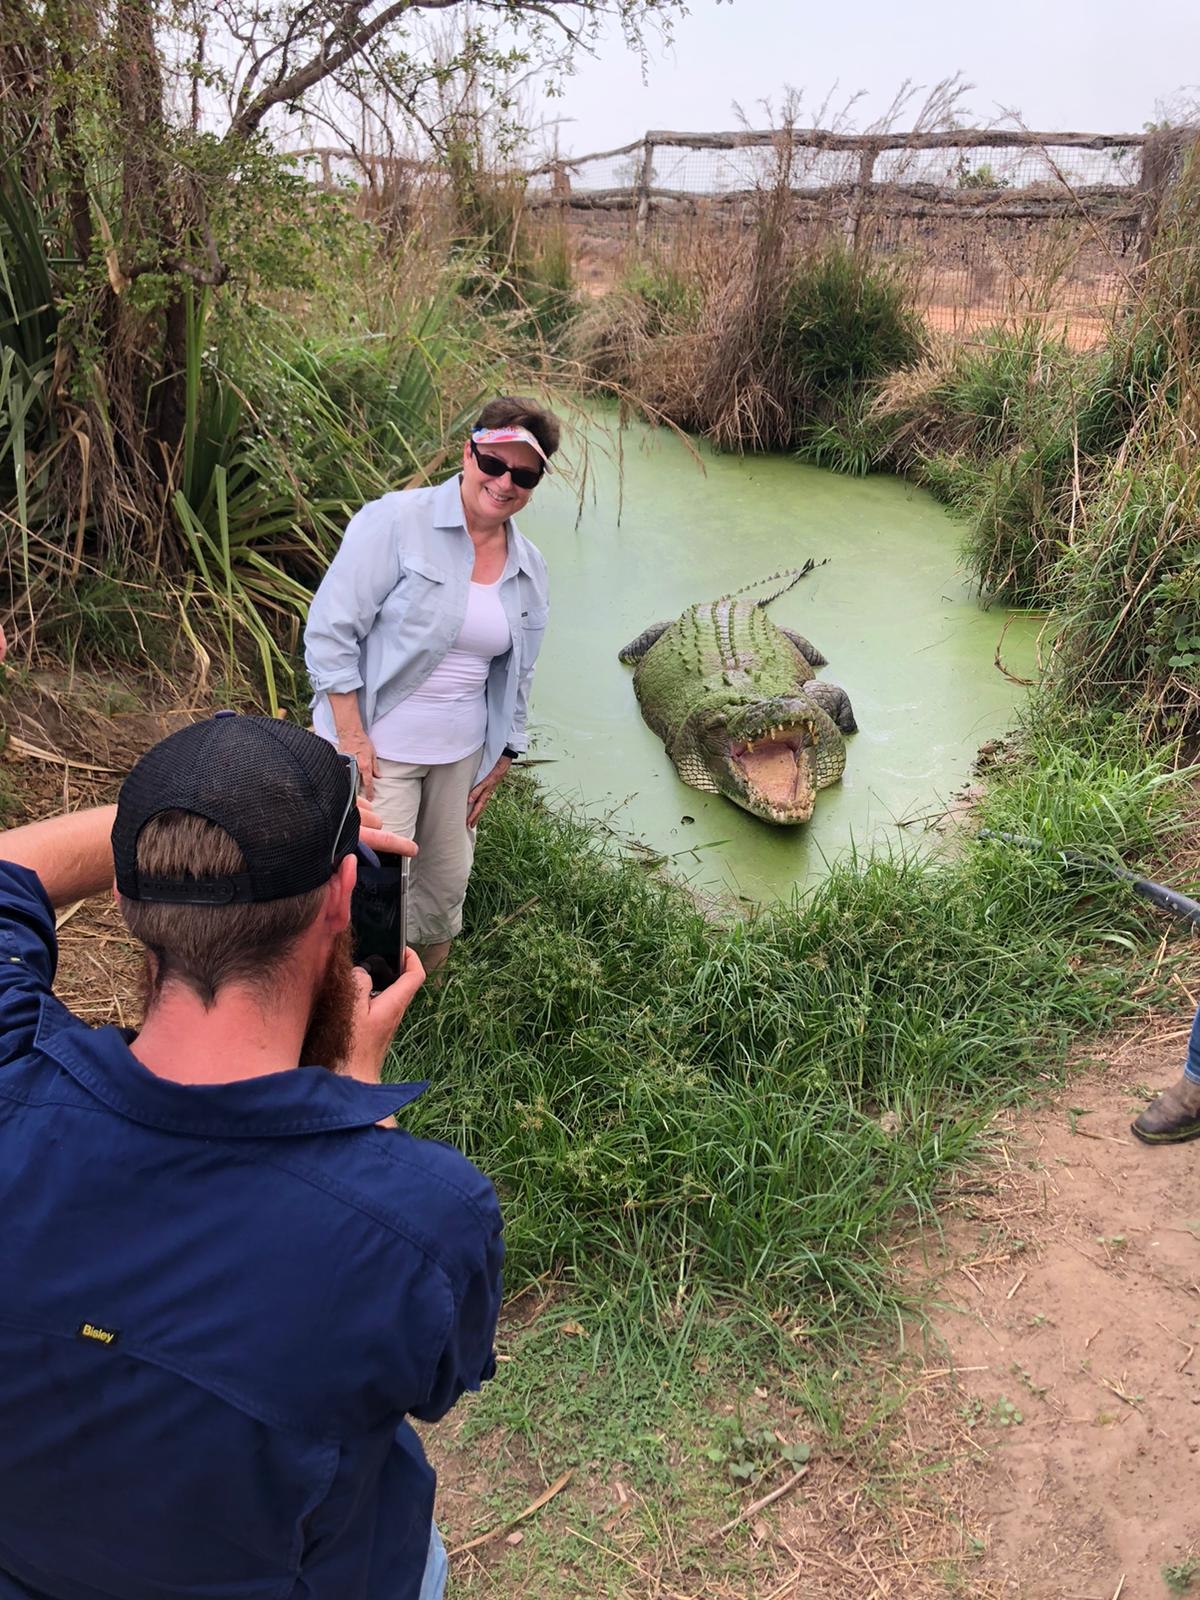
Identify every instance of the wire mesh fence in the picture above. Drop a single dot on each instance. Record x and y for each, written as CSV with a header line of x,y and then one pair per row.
x,y
995,224
998,223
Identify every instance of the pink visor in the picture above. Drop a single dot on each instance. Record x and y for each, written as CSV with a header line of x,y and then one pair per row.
x,y
509,436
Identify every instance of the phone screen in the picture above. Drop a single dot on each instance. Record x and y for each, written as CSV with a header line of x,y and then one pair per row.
x,y
379,915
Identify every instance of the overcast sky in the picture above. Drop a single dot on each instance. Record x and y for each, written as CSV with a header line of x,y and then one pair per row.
x,y
1094,65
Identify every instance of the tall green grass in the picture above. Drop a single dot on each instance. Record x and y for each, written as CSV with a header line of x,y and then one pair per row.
x,y
1128,589
998,429
684,1117
286,438
293,414
847,319
284,435
756,344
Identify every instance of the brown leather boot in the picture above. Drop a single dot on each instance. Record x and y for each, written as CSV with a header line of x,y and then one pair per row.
x,y
1173,1117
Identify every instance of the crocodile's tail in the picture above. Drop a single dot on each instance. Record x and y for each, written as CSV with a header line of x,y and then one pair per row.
x,y
793,576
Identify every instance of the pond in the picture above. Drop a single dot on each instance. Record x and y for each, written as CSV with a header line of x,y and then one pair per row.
x,y
661,527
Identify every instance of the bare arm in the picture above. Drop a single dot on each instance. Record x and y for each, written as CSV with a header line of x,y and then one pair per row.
x,y
71,854
352,739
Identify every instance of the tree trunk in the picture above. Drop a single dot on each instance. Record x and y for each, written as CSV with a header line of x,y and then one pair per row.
x,y
150,225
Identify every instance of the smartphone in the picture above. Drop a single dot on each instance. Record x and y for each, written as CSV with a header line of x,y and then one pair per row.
x,y
402,913
379,915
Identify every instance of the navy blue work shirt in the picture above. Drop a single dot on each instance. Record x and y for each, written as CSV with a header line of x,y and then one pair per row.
x,y
217,1306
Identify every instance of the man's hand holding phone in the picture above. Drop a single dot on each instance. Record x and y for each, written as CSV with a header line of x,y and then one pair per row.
x,y
387,973
379,914
377,1015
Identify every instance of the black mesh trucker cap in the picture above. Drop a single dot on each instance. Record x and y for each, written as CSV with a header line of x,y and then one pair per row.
x,y
283,795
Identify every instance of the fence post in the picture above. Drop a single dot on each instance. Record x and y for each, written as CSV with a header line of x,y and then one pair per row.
x,y
866,173
645,179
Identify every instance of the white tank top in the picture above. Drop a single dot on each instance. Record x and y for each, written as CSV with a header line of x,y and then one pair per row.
x,y
445,719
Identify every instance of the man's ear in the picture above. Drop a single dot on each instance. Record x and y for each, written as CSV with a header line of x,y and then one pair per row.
x,y
340,888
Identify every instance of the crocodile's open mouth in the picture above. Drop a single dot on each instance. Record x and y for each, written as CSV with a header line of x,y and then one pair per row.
x,y
777,771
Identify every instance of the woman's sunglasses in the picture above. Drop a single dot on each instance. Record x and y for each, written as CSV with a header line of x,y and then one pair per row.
x,y
493,467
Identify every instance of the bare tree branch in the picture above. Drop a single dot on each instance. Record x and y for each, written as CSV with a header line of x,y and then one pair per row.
x,y
350,36
281,48
341,44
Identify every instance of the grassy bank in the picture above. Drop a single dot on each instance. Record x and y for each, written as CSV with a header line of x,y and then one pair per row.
x,y
685,1117
709,1140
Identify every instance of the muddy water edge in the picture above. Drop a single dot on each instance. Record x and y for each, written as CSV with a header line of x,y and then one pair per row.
x,y
639,526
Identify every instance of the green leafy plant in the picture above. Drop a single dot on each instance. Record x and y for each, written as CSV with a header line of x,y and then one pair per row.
x,y
753,1454
1178,1575
1005,1414
983,176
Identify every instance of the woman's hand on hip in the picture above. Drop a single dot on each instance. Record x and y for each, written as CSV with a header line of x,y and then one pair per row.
x,y
484,790
363,751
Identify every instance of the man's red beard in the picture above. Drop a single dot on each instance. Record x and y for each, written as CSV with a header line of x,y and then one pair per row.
x,y
331,1025
330,1031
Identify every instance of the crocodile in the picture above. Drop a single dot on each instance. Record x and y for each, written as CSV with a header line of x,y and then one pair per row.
x,y
737,703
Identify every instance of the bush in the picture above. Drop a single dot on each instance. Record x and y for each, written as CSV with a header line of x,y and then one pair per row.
x,y
846,319
993,429
1129,591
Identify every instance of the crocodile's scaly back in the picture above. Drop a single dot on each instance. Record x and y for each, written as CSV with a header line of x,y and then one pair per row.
x,y
719,645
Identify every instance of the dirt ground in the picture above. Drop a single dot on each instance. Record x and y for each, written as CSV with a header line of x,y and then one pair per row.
x,y
1036,1439
1071,1315
968,280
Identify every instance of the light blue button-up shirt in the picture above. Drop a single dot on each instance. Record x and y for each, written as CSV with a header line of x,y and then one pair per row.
x,y
393,601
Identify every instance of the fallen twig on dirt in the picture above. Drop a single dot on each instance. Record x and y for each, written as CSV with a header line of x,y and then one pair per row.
x,y
502,1528
756,1506
22,747
64,916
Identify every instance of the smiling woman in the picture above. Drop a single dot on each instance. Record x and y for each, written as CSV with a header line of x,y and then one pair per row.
x,y
421,644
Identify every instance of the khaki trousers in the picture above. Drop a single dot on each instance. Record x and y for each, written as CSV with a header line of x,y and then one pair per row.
x,y
429,805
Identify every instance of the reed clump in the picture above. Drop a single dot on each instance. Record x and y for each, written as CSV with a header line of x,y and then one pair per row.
x,y
1128,588
754,341
1077,474
993,428
296,405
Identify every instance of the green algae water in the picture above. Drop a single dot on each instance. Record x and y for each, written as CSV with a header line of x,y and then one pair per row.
x,y
660,530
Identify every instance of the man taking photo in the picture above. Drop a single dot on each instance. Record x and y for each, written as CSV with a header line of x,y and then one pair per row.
x,y
224,1287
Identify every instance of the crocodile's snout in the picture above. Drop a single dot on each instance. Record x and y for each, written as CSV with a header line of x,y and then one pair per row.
x,y
773,774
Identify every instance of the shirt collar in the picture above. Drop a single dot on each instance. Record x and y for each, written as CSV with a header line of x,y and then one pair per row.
x,y
447,504
448,513
301,1101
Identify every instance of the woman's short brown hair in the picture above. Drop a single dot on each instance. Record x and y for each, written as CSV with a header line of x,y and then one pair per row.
x,y
515,411
206,947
